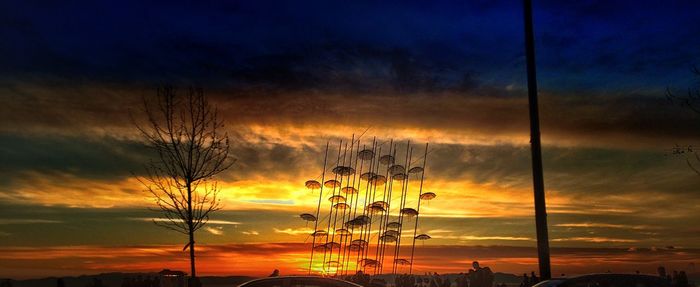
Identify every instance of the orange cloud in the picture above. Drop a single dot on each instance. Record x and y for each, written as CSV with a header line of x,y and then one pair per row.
x,y
293,258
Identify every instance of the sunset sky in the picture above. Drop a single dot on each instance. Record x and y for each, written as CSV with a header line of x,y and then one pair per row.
x,y
289,76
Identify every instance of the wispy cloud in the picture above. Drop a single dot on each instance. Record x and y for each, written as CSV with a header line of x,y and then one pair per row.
x,y
28,221
220,259
595,240
478,238
251,232
217,230
159,219
290,231
606,225
437,231
272,201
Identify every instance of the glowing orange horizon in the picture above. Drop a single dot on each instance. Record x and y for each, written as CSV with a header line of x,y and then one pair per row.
x,y
293,258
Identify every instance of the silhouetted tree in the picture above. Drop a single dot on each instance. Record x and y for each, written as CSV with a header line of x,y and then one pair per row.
x,y
690,100
186,133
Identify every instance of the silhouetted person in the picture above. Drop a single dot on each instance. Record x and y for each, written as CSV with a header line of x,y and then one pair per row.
x,y
462,280
674,278
661,271
60,283
360,278
405,280
275,273
446,282
435,280
682,280
480,277
525,282
533,278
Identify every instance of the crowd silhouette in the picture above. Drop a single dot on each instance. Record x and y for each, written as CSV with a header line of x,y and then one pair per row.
x,y
476,277
675,278
529,281
141,281
483,277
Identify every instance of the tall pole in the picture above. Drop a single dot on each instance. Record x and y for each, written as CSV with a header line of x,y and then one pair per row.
x,y
537,176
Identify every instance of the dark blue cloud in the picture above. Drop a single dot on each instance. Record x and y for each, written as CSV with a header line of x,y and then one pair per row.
x,y
106,158
599,45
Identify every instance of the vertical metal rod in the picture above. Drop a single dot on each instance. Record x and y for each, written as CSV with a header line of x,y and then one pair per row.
x,y
371,213
343,239
354,216
537,174
330,212
335,206
387,187
366,227
346,255
318,208
404,193
420,193
368,200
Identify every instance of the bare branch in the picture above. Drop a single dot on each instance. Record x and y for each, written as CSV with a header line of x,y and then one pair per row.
x,y
185,133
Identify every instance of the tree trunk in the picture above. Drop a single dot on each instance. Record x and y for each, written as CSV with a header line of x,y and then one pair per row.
x,y
191,230
192,269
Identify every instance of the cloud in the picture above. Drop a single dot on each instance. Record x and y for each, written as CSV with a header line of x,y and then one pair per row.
x,y
294,231
436,231
588,189
273,201
5,221
97,158
596,240
454,79
479,238
69,189
217,230
221,259
605,225
159,219
251,232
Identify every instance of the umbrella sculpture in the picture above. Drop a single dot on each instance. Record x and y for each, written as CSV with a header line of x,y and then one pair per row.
x,y
367,190
312,184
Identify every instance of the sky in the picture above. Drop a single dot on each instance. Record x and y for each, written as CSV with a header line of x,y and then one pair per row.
x,y
288,76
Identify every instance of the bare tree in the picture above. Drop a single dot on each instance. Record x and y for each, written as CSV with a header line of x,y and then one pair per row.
x,y
186,134
691,101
